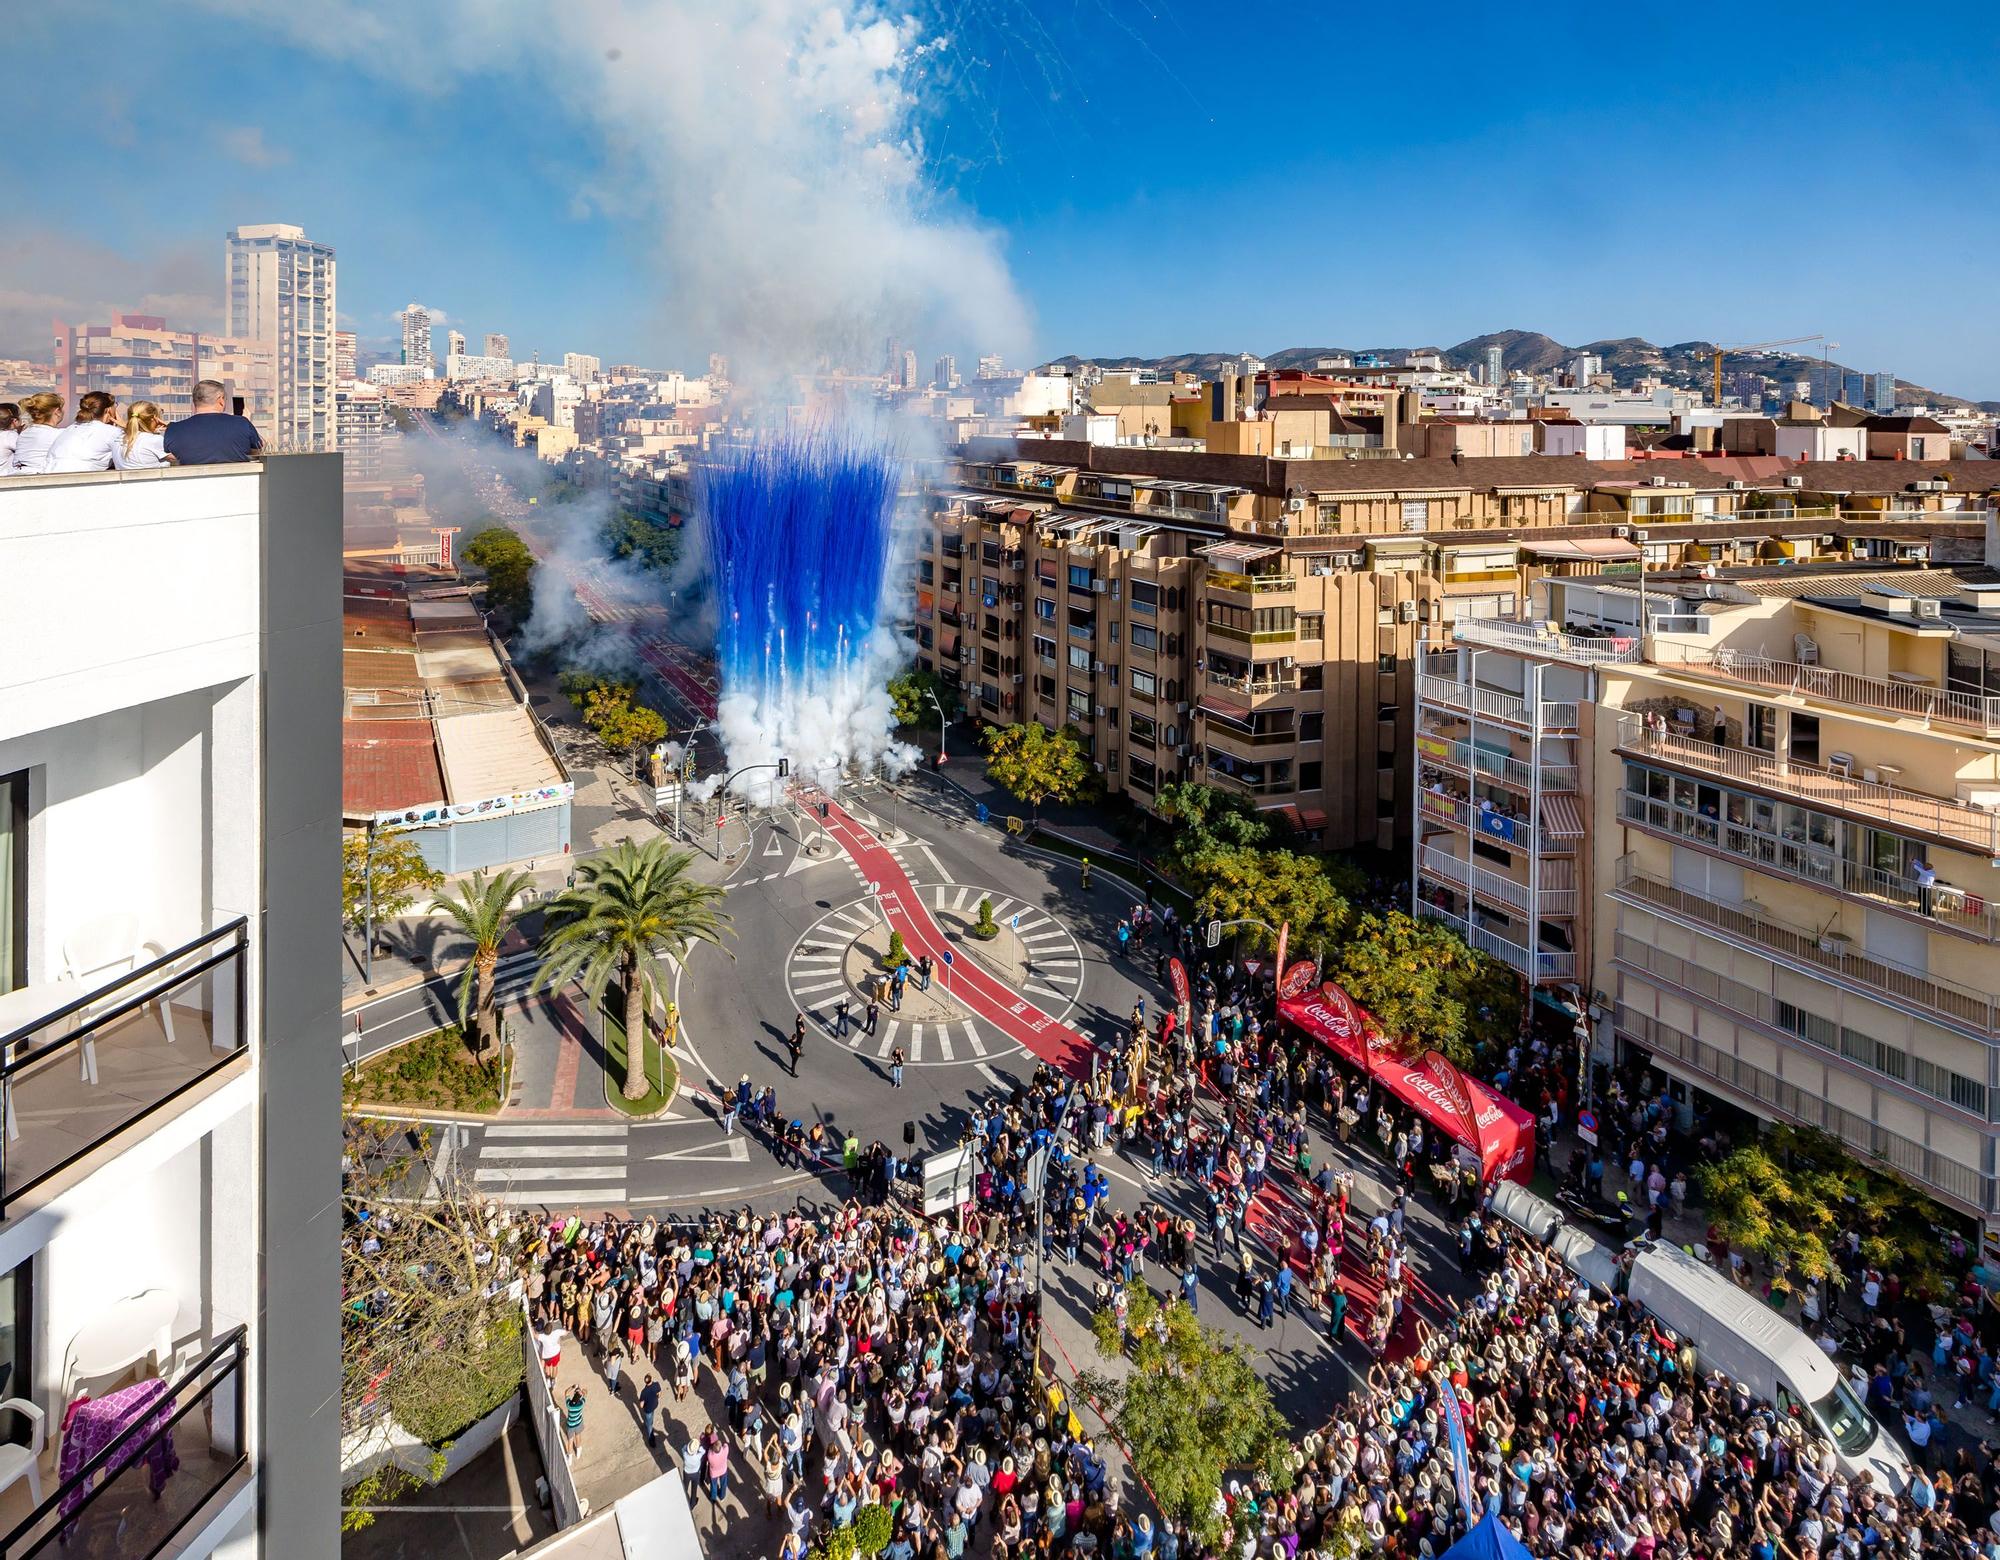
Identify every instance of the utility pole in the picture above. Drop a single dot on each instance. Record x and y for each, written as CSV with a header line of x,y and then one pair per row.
x,y
368,909
931,693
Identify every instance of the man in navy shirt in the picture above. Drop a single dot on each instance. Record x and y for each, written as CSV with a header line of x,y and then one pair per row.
x,y
214,435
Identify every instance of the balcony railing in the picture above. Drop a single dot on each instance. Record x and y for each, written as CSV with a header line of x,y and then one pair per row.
x,y
156,1475
1887,696
1961,1183
1539,639
89,1065
1222,727
1455,812
1252,584
1261,636
1537,966
1272,682
1908,811
1942,905
1231,782
1883,979
1488,704
1494,887
1504,767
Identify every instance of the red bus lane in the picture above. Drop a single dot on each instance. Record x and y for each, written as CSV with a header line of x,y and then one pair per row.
x,y
982,995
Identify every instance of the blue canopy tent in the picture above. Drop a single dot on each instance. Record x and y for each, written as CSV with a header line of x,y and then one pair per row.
x,y
1488,1540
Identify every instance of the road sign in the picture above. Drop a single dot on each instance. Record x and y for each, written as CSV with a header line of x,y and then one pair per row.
x,y
1586,1126
979,811
1252,966
948,1179
946,956
1037,1172
1214,938
1014,921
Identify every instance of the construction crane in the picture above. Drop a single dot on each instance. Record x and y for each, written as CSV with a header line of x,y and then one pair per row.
x,y
1756,346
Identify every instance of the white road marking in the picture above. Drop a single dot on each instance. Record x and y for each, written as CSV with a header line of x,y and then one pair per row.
x,y
1047,937
991,1076
775,847
963,895
729,1150
553,1129
972,1038
821,961
937,899
550,1173
944,1041
1000,908
916,1045
512,1154
888,1038
813,991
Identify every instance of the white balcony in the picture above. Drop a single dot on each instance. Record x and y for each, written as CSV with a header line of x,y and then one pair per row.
x,y
1490,704
1550,643
1538,966
123,588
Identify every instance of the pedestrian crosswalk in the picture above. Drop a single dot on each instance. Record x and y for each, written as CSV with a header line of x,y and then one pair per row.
x,y
552,1164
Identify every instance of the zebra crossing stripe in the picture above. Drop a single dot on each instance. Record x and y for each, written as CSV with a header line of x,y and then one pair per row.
x,y
916,1042
525,1151
888,1038
813,960
972,1037
937,898
1044,937
550,1173
958,903
526,1129
944,1040
558,1196
818,991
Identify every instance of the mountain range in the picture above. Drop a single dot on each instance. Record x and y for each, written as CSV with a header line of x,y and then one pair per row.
x,y
1687,364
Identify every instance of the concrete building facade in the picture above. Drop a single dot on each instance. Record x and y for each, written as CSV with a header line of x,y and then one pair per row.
x,y
281,296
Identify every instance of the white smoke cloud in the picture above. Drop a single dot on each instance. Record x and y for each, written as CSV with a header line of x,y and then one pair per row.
x,y
778,143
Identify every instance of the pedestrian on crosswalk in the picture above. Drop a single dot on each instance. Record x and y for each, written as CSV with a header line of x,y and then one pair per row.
x,y
840,1017
896,1060
874,1015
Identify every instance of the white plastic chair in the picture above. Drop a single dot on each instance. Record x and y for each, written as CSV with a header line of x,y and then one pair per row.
x,y
109,946
24,1462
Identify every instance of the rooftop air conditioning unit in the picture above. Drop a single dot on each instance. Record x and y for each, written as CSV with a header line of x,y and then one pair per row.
x,y
1826,541
1656,482
1294,506
1737,484
1930,607
1795,482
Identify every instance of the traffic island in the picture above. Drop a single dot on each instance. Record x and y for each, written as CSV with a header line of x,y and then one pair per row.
x,y
663,1073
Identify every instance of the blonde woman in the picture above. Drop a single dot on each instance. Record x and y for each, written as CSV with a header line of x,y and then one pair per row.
x,y
38,434
144,445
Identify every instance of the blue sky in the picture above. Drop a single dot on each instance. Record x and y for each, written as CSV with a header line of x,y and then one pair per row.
x,y
1162,179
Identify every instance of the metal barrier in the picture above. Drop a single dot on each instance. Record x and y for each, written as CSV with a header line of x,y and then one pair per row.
x,y
545,1414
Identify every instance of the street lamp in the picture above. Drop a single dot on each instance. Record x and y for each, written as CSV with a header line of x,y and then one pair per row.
x,y
687,767
931,694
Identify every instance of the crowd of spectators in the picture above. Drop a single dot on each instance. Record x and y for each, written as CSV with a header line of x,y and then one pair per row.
x,y
35,440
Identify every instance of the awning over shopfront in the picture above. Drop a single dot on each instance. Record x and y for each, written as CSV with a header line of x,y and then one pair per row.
x,y
1464,1109
1606,549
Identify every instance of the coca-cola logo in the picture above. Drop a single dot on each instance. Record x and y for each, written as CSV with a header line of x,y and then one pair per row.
x,y
1177,975
1428,1087
1299,979
1338,1022
1512,1162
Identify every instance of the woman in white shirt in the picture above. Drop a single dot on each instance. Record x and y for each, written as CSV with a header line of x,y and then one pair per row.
x,y
31,450
91,442
10,435
144,445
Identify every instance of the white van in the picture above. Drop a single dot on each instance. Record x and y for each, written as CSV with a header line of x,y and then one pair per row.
x,y
1747,1341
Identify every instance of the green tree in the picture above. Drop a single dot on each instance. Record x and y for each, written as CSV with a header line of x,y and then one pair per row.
x,y
393,865
424,1332
483,910
872,1529
1191,1407
656,547
898,954
1786,1196
986,928
910,695
633,905
1036,765
1425,985
618,723
1275,886
1205,818
510,571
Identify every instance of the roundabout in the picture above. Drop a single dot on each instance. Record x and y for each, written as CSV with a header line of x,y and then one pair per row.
x,y
843,955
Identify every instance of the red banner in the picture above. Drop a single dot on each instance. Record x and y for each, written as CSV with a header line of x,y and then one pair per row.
x,y
1299,979
1177,977
1278,969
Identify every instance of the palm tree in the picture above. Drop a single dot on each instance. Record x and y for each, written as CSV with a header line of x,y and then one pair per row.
x,y
484,911
631,907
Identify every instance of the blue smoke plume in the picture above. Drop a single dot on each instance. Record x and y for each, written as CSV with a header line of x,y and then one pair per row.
x,y
798,535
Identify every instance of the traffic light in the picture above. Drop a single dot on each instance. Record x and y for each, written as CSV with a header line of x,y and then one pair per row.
x,y
784,767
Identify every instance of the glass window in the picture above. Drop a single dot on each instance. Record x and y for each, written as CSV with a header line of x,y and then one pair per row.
x,y
1079,658
1144,638
1145,596
1079,576
1045,608
1144,683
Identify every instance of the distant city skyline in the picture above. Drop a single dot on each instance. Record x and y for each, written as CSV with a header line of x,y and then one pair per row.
x,y
1541,210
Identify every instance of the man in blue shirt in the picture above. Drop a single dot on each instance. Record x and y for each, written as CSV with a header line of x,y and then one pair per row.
x,y
213,435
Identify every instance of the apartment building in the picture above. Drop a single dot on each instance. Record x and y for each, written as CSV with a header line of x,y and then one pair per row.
x,y
418,351
169,835
362,422
281,295
137,357
1758,840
